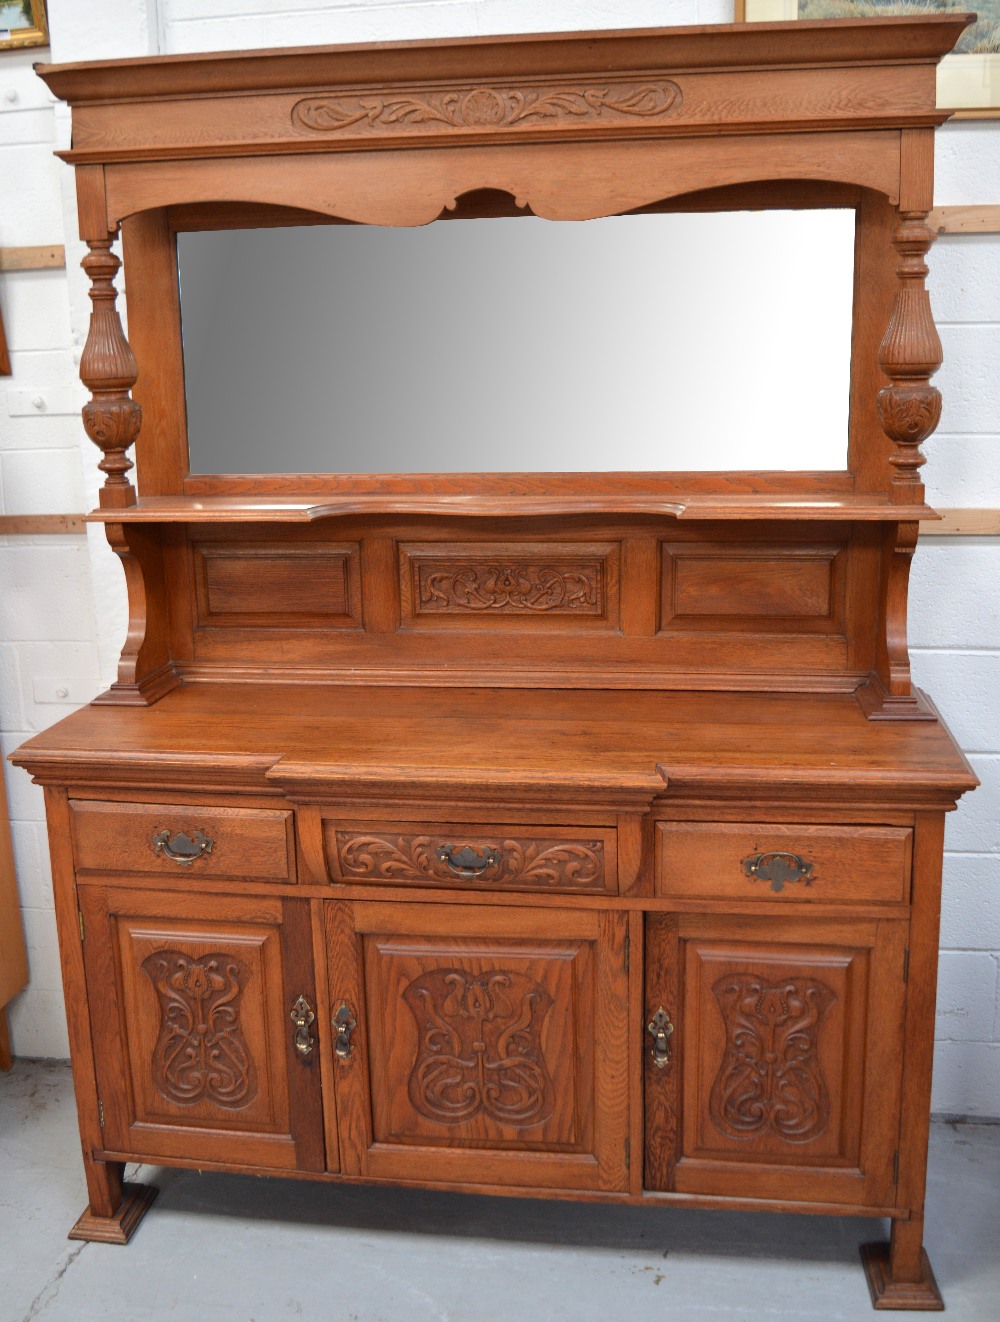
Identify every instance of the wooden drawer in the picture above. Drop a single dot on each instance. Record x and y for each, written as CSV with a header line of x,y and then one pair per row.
x,y
490,858
252,844
719,860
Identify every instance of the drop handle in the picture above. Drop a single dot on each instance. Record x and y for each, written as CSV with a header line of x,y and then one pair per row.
x,y
302,1017
660,1029
182,848
779,868
344,1025
468,862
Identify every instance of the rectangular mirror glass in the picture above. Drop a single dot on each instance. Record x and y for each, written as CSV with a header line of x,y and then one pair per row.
x,y
659,342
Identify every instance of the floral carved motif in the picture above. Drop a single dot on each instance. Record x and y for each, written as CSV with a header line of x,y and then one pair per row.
x,y
479,1048
559,863
200,1053
508,587
909,414
489,107
770,1080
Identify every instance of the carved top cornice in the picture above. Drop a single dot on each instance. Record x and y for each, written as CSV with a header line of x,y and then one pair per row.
x,y
662,81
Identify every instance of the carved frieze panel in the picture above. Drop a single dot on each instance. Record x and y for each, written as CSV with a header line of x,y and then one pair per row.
x,y
770,1080
201,1053
479,1048
488,108
526,585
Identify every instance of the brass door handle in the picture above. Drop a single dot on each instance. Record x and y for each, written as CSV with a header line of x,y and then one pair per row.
x,y
181,847
660,1028
344,1025
468,862
302,1016
779,868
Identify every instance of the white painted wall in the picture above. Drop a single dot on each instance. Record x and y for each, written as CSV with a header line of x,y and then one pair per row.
x,y
62,599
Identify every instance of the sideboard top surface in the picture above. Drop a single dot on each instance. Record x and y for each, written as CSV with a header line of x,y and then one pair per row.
x,y
316,738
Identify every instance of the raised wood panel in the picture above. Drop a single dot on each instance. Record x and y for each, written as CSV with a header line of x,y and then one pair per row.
x,y
844,863
752,587
278,585
193,1020
528,858
496,1045
519,585
787,1064
252,844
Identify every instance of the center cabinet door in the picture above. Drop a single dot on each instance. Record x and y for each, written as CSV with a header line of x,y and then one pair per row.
x,y
489,1046
194,1042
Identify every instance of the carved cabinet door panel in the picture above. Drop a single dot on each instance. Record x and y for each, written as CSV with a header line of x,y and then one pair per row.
x,y
195,1044
488,1046
784,1075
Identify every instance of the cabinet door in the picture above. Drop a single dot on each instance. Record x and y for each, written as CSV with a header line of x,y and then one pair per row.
x,y
784,1076
190,1000
490,1046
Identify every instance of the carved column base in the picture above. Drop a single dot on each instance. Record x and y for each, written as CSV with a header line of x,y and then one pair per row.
x,y
151,688
921,1296
117,1229
880,705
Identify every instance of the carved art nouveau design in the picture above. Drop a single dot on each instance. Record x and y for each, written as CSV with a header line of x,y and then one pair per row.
x,y
770,1081
479,1048
488,107
542,862
508,587
201,1053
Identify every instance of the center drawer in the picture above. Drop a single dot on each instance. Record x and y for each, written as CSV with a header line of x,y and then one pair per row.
x,y
783,862
474,856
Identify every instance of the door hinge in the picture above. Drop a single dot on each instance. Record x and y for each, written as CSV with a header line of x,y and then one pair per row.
x,y
895,1167
906,964
100,1113
628,947
79,914
628,1153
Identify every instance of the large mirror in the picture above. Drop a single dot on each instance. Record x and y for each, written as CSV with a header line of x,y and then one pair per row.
x,y
671,342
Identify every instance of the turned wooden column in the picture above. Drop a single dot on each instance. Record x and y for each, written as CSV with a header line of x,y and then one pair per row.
x,y
909,355
108,369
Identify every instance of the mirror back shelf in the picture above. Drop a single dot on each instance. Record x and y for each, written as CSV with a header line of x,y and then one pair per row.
x,y
615,352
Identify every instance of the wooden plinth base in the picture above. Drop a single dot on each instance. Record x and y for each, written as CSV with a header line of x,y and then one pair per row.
x,y
117,1229
922,1296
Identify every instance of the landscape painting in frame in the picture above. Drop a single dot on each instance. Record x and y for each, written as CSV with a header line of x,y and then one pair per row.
x,y
968,80
23,23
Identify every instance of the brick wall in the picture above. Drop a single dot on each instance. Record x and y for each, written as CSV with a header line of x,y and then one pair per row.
x,y
62,599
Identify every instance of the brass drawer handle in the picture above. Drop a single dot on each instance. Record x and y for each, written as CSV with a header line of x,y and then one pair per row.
x,y
302,1016
468,862
344,1025
660,1028
779,869
182,848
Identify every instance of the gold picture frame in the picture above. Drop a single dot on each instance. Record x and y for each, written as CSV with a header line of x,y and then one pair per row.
x,y
968,82
23,23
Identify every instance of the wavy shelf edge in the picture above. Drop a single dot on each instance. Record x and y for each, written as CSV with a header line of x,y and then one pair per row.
x,y
231,509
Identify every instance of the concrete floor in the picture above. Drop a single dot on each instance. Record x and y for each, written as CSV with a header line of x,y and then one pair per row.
x,y
221,1248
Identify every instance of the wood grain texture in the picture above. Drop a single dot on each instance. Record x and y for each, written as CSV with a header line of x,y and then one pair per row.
x,y
33,525
965,219
40,257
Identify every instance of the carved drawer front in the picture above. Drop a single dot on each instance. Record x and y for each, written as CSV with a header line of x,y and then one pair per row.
x,y
517,858
783,864
173,839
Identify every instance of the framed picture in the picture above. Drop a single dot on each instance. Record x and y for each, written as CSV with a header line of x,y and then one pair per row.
x,y
968,80
23,23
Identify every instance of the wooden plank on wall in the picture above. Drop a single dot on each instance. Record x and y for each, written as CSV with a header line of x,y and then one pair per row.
x,y
963,523
40,523
47,257
966,220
